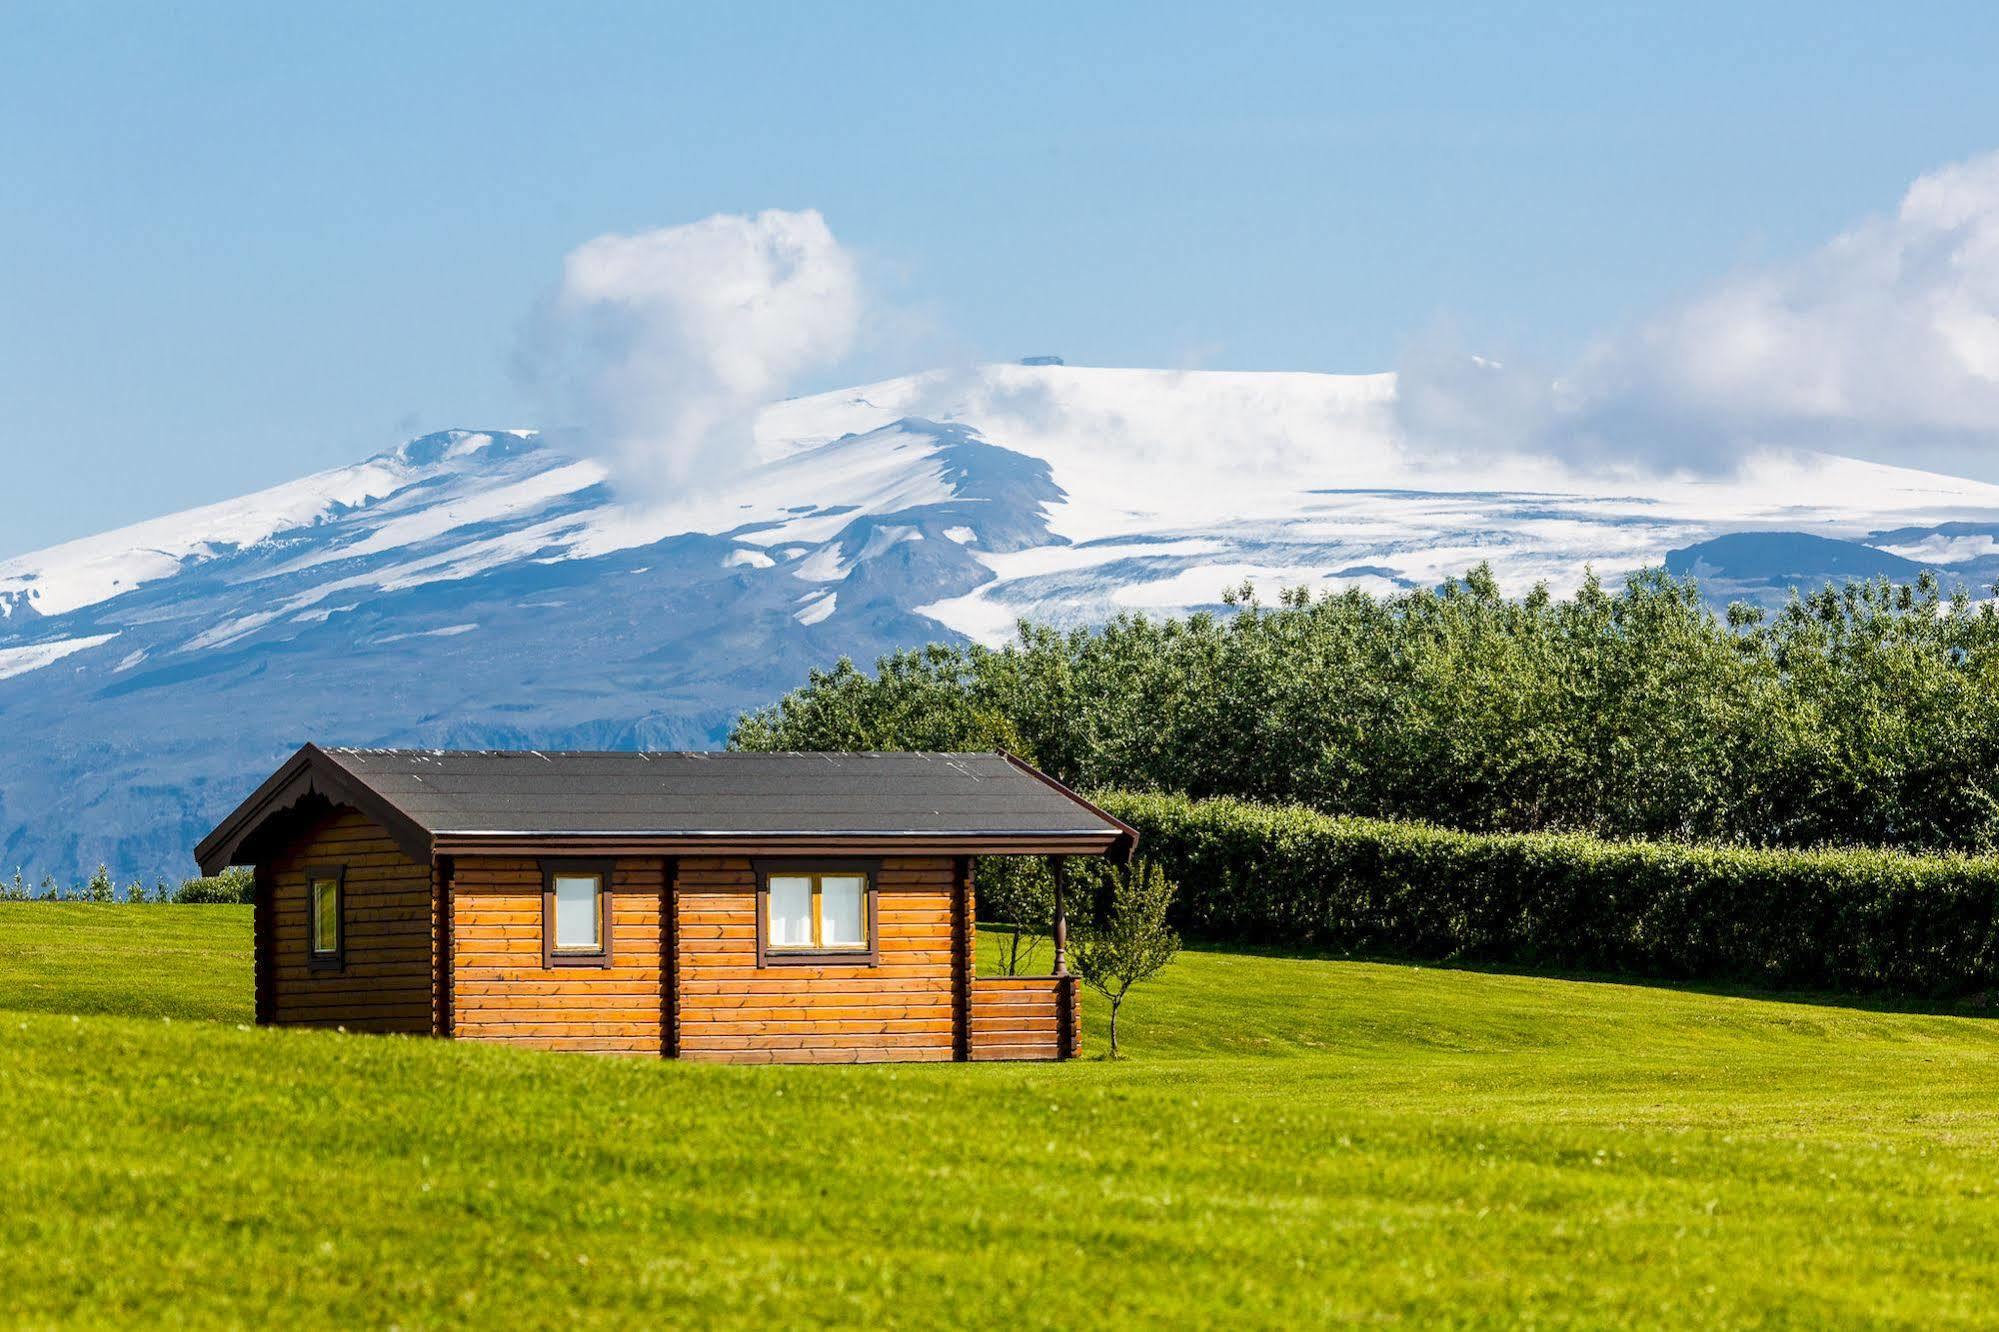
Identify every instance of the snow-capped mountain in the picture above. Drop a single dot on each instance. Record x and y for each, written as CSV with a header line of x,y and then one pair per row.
x,y
479,588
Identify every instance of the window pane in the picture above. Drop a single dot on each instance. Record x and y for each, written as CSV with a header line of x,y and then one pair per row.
x,y
325,915
843,918
578,922
789,911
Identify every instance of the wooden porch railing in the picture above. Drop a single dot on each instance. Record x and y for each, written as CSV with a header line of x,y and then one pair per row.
x,y
1024,1017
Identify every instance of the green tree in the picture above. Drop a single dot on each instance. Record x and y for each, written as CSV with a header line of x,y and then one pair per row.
x,y
100,888
1867,713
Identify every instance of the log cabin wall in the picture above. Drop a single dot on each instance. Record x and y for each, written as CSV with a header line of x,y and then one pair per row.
x,y
500,989
384,982
730,1010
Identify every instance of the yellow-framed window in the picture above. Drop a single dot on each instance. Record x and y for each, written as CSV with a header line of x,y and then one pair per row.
x,y
818,911
325,916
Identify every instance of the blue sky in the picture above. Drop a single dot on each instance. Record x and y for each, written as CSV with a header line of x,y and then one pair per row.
x,y
240,243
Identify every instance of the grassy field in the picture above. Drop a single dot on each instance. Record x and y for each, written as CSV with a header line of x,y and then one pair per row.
x,y
1291,1141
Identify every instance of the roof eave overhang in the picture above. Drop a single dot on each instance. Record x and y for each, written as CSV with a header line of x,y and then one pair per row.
x,y
309,772
313,772
1123,846
944,843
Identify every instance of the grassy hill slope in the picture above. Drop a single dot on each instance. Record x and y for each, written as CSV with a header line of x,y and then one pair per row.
x,y
1292,1141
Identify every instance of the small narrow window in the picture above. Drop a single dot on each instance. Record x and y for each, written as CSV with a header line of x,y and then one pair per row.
x,y
815,913
576,915
325,911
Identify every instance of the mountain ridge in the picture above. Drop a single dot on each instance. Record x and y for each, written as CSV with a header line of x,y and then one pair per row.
x,y
487,588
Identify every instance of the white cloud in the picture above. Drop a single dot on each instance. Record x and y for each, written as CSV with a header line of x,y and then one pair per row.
x,y
1884,342
662,345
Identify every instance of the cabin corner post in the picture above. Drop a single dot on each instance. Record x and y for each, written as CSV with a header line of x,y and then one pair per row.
x,y
669,953
441,885
263,910
1066,1014
962,943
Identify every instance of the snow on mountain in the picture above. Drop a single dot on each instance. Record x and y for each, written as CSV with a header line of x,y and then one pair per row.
x,y
84,572
1179,484
34,656
489,588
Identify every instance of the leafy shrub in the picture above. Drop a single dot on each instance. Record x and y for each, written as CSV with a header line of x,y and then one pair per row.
x,y
236,884
1864,921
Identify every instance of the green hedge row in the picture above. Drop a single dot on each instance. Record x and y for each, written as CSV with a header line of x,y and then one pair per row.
x,y
1860,921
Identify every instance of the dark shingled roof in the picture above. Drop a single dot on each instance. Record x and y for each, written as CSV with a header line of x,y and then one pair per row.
x,y
465,791
441,799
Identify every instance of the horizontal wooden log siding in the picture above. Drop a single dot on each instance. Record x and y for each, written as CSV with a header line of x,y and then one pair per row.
x,y
1020,1017
385,984
501,991
730,1010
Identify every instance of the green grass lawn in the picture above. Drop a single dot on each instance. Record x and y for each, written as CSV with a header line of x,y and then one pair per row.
x,y
1290,1142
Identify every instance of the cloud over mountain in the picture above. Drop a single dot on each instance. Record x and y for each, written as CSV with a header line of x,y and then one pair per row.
x,y
1884,342
660,346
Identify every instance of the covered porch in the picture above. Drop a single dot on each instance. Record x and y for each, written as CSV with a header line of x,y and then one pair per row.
x,y
1029,1017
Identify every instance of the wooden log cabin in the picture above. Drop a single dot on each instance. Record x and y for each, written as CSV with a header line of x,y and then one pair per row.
x,y
749,908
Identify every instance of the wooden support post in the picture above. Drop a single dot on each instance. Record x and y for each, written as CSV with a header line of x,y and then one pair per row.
x,y
1055,866
444,873
437,983
263,965
669,958
1065,1017
961,958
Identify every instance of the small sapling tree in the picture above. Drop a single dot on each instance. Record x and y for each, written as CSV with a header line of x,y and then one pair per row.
x,y
1130,941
